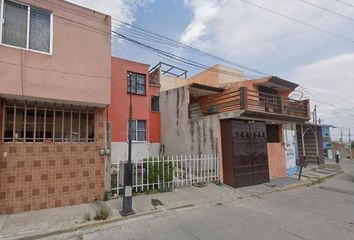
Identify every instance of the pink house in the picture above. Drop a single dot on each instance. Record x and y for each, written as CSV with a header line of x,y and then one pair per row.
x,y
55,86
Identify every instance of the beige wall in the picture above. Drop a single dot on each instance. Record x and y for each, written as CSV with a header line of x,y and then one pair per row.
x,y
218,76
170,82
79,69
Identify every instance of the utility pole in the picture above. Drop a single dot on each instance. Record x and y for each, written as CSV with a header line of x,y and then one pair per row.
x,y
350,146
128,167
314,115
341,135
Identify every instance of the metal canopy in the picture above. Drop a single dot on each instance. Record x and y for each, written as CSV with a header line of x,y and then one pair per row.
x,y
170,70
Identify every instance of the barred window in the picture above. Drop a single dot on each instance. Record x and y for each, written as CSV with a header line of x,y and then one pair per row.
x,y
136,83
138,130
33,122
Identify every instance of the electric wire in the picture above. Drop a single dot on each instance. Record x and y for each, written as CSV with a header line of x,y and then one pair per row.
x,y
299,21
345,3
326,9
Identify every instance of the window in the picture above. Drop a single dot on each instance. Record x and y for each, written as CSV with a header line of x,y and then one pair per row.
x,y
31,122
273,134
155,106
26,27
138,130
136,83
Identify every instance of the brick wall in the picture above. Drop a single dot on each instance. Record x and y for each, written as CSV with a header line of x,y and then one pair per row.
x,y
36,176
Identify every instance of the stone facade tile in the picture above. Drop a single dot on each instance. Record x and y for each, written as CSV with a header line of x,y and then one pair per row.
x,y
11,179
28,178
20,164
34,175
3,164
37,163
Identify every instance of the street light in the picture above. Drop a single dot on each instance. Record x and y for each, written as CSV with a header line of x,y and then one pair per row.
x,y
128,167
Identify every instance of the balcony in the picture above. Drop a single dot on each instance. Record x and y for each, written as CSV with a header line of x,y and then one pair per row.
x,y
253,104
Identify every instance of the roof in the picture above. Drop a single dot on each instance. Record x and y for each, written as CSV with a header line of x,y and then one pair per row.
x,y
275,82
198,89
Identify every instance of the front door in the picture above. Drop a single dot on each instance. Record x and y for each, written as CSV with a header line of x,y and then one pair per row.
x,y
250,156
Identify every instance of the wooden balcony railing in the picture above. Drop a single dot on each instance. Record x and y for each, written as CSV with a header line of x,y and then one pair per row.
x,y
251,101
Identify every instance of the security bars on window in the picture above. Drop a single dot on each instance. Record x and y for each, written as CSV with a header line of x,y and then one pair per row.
x,y
136,83
41,123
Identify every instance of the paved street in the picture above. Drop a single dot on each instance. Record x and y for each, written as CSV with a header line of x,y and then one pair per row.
x,y
321,212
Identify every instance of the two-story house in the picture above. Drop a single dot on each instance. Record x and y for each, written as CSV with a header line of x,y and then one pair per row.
x,y
251,124
130,80
55,80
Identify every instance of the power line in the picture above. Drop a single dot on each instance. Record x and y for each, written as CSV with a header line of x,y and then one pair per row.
x,y
299,21
345,3
187,47
327,10
175,57
302,89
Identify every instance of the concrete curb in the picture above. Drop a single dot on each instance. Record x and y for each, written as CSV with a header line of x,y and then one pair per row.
x,y
85,226
89,225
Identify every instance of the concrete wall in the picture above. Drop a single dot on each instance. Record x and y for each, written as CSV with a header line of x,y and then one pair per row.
x,y
181,135
170,82
139,151
79,69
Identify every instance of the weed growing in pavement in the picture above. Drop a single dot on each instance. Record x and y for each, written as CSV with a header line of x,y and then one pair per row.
x,y
156,202
101,214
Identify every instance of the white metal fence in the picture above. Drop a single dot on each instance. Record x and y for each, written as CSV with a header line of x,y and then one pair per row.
x,y
167,172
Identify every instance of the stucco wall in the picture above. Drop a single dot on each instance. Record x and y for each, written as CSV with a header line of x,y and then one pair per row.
x,y
118,111
139,151
276,160
79,69
170,82
181,135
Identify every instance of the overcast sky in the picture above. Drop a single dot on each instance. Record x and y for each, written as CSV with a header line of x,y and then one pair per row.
x,y
321,63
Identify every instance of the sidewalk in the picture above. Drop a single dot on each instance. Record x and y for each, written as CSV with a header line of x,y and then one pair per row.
x,y
42,223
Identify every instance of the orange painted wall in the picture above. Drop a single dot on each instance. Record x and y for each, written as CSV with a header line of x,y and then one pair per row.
x,y
155,120
276,160
118,112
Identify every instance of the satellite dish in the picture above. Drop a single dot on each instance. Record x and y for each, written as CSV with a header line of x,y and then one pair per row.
x,y
297,95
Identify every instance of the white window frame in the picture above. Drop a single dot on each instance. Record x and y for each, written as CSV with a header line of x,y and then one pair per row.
x,y
28,28
136,131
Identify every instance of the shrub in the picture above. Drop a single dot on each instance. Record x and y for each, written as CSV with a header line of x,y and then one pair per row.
x,y
106,196
102,214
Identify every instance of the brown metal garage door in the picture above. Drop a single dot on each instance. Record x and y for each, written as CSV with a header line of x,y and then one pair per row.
x,y
245,158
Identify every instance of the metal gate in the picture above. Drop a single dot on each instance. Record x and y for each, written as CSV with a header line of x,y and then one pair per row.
x,y
245,157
